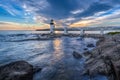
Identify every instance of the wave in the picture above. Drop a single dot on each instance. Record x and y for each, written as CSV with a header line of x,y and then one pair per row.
x,y
22,37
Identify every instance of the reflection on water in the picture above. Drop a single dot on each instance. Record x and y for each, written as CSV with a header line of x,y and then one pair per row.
x,y
57,45
57,32
58,53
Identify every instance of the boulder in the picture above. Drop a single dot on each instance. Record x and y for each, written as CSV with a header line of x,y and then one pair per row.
x,y
86,53
19,70
77,55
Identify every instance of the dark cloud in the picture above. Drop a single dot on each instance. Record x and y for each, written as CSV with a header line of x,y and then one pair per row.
x,y
61,9
94,8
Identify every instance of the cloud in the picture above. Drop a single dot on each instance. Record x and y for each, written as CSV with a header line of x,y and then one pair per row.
x,y
11,7
77,11
8,23
39,18
104,18
18,26
95,7
63,11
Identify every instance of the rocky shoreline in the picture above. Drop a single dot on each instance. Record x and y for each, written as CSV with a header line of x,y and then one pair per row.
x,y
105,58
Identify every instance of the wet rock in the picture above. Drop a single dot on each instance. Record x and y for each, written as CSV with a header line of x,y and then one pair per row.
x,y
100,40
37,69
85,49
90,45
87,53
19,70
77,55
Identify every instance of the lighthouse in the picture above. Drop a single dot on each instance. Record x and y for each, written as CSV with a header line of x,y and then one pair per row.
x,y
52,26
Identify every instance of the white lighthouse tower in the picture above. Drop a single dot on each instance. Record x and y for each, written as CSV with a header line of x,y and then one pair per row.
x,y
52,26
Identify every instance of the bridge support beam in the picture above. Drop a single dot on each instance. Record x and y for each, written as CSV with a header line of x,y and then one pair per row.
x,y
101,31
51,29
65,30
82,32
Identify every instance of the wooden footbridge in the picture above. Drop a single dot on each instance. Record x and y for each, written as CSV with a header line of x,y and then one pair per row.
x,y
83,29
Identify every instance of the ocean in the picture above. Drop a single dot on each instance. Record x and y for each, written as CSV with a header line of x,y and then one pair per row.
x,y
54,56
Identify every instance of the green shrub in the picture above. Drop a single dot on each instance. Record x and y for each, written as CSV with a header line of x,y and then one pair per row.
x,y
113,33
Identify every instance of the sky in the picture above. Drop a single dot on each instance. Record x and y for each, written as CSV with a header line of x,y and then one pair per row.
x,y
36,14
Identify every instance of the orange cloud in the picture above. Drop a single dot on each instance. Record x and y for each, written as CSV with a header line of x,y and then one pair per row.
x,y
16,26
80,24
